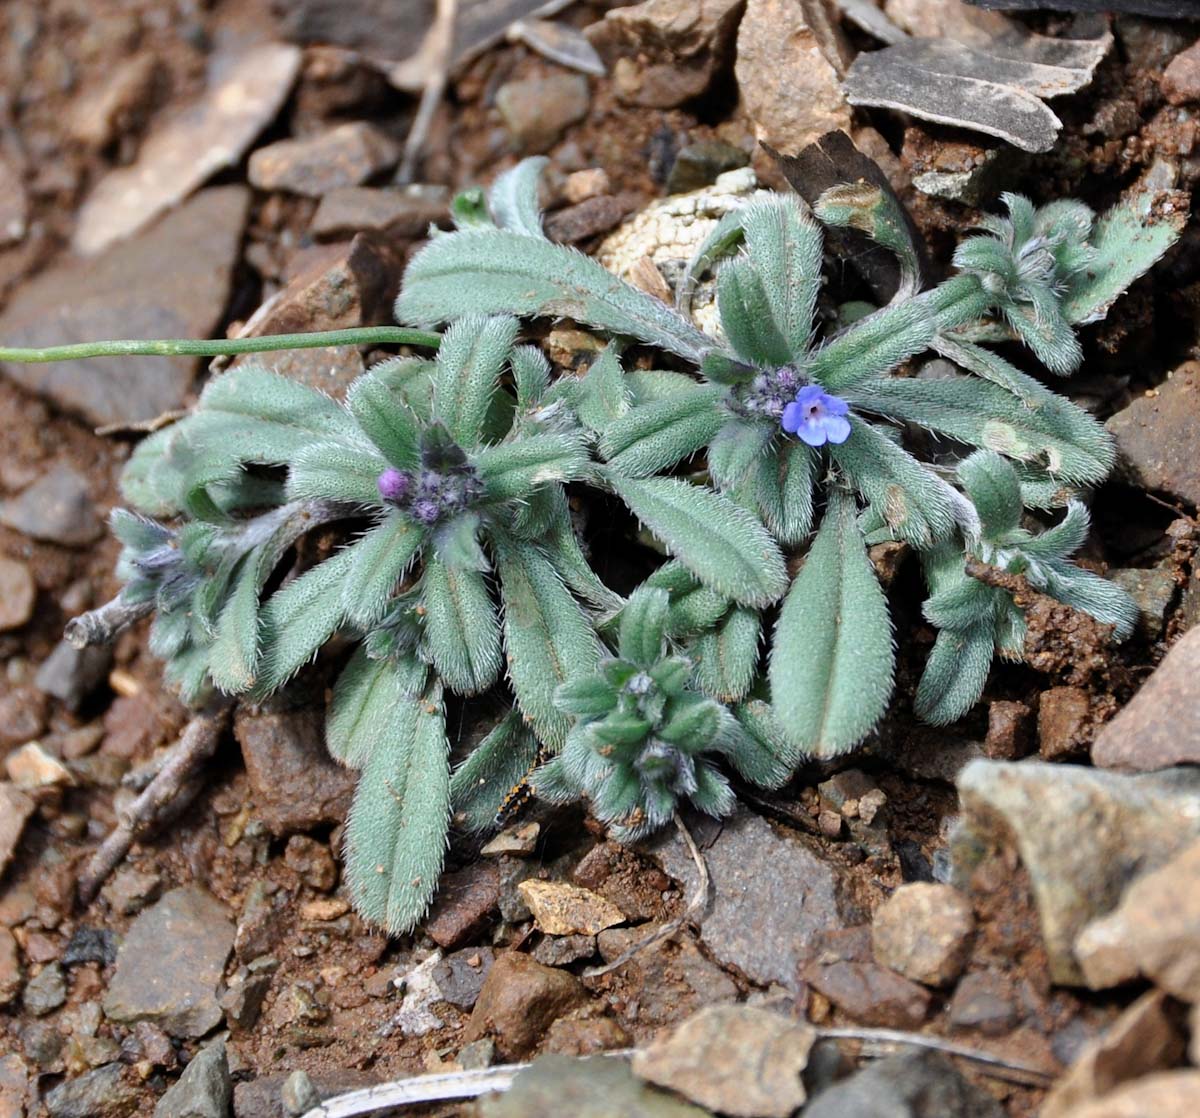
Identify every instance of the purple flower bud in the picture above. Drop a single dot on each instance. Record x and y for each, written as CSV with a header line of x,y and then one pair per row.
x,y
394,485
816,417
424,510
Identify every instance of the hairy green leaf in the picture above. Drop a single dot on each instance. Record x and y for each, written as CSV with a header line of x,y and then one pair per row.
x,y
368,698
461,629
511,471
955,674
336,472
378,561
547,636
727,656
513,198
469,360
832,661
396,833
498,272
604,395
643,626
652,437
385,419
720,543
746,315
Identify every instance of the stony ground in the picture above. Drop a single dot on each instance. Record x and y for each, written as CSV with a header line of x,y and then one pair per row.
x,y
1025,883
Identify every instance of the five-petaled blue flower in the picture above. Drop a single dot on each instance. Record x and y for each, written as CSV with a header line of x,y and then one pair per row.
x,y
816,417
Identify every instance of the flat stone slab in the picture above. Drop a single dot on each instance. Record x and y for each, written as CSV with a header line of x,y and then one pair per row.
x,y
171,964
170,282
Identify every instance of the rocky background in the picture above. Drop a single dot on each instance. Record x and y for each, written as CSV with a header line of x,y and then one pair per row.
x,y
1025,884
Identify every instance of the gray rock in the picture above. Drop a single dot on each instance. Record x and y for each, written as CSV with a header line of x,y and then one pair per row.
x,y
919,1085
772,892
14,205
1153,590
298,1093
243,999
1081,834
739,1060
204,1090
245,92
129,293
344,156
72,674
379,30
260,1098
1157,436
699,164
171,963
1160,727
102,1093
459,976
562,951
537,111
57,508
558,1085
45,991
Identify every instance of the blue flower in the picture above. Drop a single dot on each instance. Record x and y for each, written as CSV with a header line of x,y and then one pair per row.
x,y
816,417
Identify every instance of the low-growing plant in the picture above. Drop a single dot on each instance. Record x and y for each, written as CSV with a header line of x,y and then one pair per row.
x,y
457,566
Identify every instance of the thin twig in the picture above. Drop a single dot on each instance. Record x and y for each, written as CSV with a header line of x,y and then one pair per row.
x,y
695,906
103,626
166,795
144,427
1031,1076
442,44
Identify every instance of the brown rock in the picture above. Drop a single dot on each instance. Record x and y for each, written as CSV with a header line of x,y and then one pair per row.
x,y
17,594
706,1058
560,909
634,885
1169,1094
32,767
357,209
296,785
311,862
985,1002
121,105
788,87
1155,931
128,293
1144,1039
244,95
1064,722
519,1001
22,716
666,52
463,907
1009,732
842,969
344,156
1181,79
10,967
14,1083
333,288
1158,433
666,979
923,931
15,810
130,890
589,218
570,1036
136,725
1160,727
537,111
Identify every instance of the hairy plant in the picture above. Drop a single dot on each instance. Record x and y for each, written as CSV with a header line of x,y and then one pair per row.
x,y
425,521
796,424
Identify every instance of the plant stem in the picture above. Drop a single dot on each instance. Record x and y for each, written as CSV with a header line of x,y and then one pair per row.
x,y
223,347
